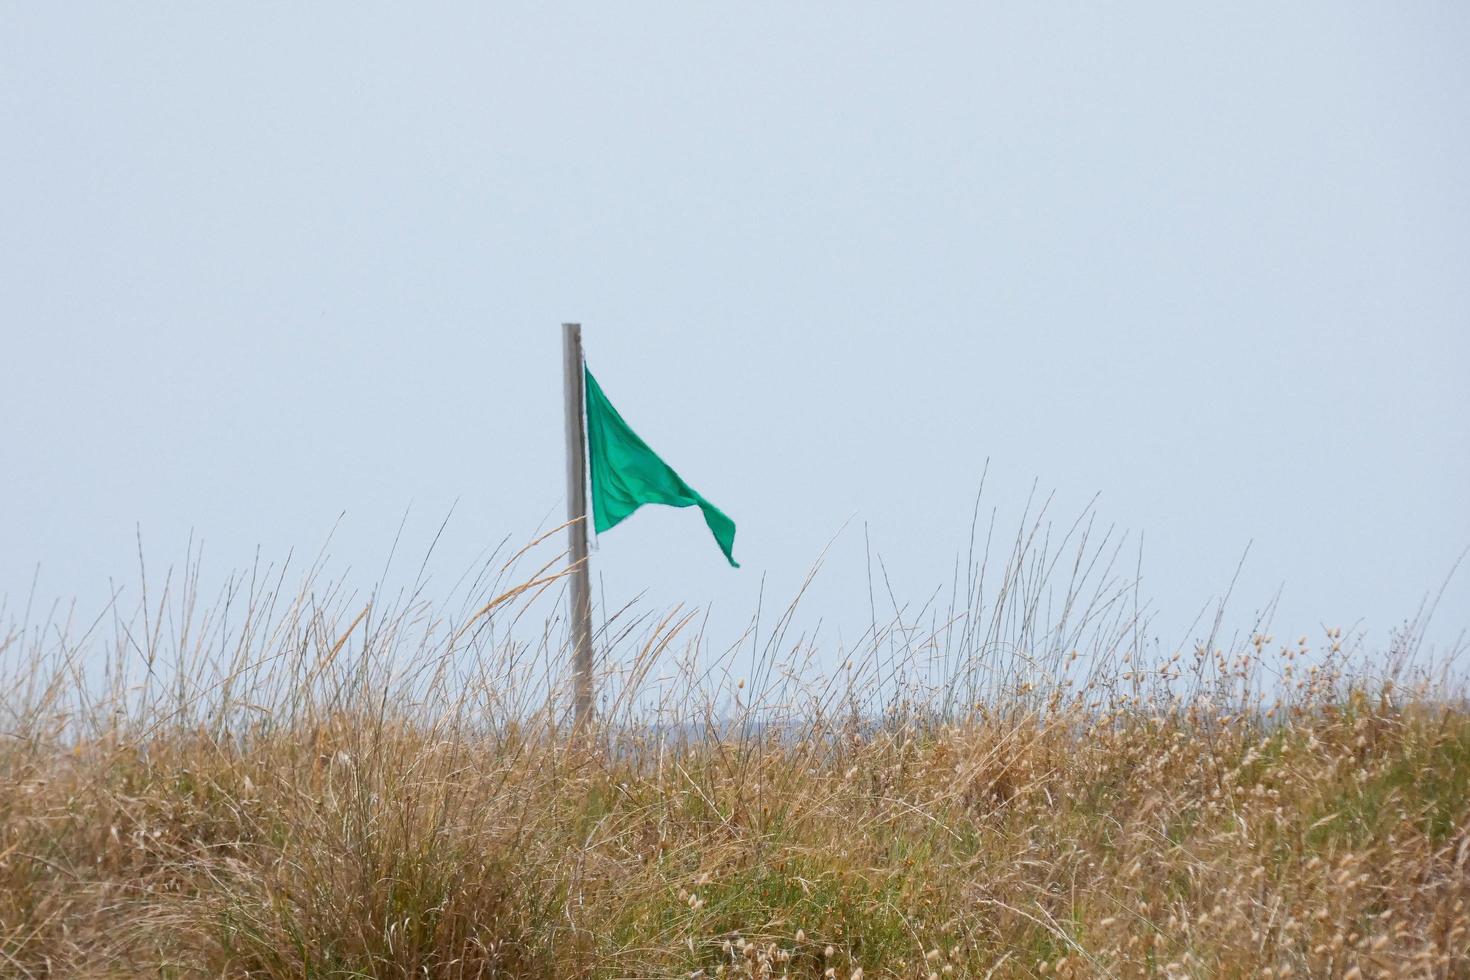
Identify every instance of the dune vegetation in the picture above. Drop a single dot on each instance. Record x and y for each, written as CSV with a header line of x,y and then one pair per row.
x,y
291,780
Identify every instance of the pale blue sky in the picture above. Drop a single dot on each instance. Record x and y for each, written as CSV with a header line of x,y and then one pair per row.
x,y
265,264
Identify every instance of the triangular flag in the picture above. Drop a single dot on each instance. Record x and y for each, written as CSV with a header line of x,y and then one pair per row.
x,y
626,474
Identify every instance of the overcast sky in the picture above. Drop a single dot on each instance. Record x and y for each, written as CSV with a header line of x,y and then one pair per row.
x,y
262,264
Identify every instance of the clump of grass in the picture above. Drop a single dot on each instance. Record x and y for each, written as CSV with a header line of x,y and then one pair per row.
x,y
306,784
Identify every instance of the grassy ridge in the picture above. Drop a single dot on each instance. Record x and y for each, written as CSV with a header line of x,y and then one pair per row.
x,y
1023,845
317,791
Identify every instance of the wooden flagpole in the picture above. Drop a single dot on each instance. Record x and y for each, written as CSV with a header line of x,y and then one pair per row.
x,y
578,519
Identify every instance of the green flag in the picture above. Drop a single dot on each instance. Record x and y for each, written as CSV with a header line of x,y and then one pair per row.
x,y
626,474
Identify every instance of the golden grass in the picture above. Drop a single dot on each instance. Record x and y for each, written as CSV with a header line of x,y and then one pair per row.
x,y
292,803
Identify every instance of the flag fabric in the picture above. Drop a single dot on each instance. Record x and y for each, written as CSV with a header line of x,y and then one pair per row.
x,y
626,474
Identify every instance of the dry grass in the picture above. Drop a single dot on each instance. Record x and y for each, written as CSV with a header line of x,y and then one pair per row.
x,y
265,790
